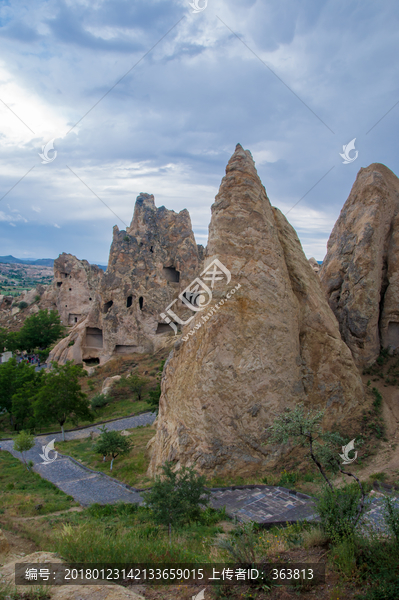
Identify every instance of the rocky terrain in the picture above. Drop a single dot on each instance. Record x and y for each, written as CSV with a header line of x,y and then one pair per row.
x,y
360,273
119,312
271,343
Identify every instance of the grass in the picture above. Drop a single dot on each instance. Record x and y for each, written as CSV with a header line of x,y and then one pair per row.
x,y
130,469
24,493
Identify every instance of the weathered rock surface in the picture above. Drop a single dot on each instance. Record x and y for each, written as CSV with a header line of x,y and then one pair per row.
x,y
76,283
314,264
272,343
149,265
360,273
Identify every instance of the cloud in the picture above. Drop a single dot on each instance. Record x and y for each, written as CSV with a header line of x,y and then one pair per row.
x,y
163,114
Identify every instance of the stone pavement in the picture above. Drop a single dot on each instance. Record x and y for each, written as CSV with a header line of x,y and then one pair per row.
x,y
264,504
118,425
260,503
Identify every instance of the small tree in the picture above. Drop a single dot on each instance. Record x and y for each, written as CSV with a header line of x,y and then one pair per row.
x,y
23,443
137,385
112,443
40,330
60,398
303,427
176,498
153,397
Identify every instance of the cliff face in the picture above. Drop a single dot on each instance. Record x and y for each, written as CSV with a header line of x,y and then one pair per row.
x,y
270,343
360,273
149,265
76,284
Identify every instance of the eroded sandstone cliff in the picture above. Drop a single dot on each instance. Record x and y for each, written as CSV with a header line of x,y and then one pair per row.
x,y
271,343
360,273
149,265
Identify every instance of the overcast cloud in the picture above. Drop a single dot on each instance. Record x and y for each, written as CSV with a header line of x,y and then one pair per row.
x,y
183,90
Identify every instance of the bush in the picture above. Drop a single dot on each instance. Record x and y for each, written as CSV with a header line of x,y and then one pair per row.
x,y
22,305
99,400
176,499
338,511
314,537
391,514
241,548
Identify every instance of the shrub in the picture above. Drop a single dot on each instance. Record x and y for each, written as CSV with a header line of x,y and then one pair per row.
x,y
344,556
338,509
98,401
391,514
22,305
176,499
126,238
314,537
241,547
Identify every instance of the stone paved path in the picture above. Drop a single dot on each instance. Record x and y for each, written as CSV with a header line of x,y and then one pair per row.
x,y
263,504
124,423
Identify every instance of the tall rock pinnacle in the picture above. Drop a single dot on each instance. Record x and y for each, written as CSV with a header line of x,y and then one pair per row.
x,y
270,343
360,273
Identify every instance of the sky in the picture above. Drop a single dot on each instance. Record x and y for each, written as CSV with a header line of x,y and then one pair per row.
x,y
153,96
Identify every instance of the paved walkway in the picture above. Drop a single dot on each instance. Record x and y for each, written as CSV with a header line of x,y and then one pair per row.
x,y
261,503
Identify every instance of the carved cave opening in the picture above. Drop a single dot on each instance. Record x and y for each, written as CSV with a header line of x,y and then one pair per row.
x,y
107,306
94,337
164,328
59,283
73,318
129,301
171,274
141,302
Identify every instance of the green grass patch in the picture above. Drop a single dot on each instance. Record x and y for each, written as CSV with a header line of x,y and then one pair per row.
x,y
24,493
130,469
125,533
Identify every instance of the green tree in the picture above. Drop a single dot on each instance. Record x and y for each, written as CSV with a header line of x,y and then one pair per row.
x,y
303,428
22,405
153,397
176,498
13,378
60,398
112,443
40,330
23,443
137,385
3,339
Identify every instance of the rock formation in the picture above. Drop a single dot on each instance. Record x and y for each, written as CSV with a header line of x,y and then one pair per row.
x,y
271,343
314,264
76,284
149,265
360,273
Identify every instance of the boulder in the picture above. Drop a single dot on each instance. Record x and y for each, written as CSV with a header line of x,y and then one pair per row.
x,y
360,273
267,339
314,264
108,384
